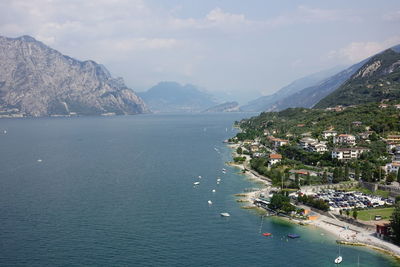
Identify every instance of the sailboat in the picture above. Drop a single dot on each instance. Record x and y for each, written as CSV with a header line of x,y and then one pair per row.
x,y
339,259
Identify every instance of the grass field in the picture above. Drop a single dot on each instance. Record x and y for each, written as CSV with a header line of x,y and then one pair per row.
x,y
367,215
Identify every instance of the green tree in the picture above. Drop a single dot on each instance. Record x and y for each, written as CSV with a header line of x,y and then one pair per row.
x,y
324,178
390,177
278,201
341,212
398,176
357,173
340,174
308,179
239,150
395,224
346,173
336,176
347,213
297,179
355,214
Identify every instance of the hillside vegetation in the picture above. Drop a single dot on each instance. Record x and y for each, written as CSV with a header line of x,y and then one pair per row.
x,y
376,80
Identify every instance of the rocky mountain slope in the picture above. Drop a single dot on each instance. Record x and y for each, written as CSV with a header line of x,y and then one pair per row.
x,y
172,97
224,107
274,101
376,80
309,96
36,80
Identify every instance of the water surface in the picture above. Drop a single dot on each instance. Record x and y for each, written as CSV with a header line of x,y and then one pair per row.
x,y
119,191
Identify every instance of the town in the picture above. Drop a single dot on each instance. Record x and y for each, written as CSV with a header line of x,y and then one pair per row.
x,y
341,162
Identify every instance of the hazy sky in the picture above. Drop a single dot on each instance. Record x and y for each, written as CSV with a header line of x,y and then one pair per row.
x,y
244,48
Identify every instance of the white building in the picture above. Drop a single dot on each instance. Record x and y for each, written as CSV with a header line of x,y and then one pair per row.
x,y
326,134
348,139
274,158
319,147
348,153
393,166
307,141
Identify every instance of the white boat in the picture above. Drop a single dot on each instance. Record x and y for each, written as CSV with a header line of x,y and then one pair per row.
x,y
223,169
225,214
219,180
196,183
338,260
39,160
209,202
213,191
199,177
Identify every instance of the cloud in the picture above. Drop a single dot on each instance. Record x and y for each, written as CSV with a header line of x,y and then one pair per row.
x,y
310,15
218,16
392,16
357,51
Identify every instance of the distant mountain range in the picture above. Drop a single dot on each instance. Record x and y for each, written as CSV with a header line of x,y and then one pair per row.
x,y
172,97
36,80
281,99
371,80
376,80
224,107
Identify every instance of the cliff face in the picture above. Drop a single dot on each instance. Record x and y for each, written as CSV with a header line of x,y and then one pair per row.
x,y
36,80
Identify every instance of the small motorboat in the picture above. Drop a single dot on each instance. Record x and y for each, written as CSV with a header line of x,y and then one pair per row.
x,y
293,236
209,202
338,260
213,191
225,214
39,160
223,169
266,234
199,177
196,183
219,180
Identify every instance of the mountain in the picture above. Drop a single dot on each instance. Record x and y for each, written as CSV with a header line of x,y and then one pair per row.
x,y
36,80
172,97
266,103
309,96
224,107
376,80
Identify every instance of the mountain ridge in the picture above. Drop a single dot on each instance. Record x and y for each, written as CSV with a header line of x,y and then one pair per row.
x,y
37,80
270,102
376,80
172,97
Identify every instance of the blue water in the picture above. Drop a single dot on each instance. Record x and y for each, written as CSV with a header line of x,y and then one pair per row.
x,y
119,191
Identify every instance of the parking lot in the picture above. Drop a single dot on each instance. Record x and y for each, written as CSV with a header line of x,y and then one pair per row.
x,y
340,200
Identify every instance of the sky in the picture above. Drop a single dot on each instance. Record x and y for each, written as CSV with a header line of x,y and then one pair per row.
x,y
234,49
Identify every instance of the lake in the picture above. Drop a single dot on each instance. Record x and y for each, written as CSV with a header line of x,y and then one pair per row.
x,y
118,191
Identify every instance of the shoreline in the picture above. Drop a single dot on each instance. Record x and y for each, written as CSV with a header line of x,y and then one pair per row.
x,y
346,233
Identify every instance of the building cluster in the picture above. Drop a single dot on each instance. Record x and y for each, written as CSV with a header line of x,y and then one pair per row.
x,y
313,145
393,148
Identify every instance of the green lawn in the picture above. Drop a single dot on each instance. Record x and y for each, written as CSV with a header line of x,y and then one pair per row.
x,y
366,215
